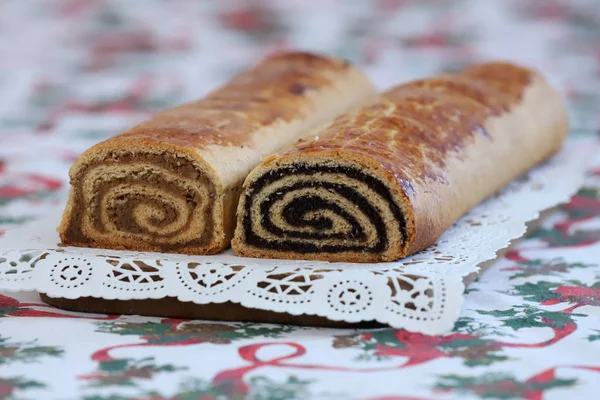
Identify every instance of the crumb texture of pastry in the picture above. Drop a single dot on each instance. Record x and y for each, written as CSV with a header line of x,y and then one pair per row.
x,y
386,179
172,183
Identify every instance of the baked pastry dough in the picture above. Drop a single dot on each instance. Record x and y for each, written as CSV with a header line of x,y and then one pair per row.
x,y
386,180
172,183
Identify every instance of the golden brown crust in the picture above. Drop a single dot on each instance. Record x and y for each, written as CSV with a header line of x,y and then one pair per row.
x,y
278,90
441,145
425,119
201,152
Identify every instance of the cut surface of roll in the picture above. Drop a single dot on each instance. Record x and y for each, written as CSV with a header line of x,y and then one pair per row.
x,y
385,180
172,183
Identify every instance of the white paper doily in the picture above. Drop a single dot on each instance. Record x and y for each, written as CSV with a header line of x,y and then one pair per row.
x,y
420,293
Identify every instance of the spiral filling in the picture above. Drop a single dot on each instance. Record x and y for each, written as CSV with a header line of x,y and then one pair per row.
x,y
309,208
159,199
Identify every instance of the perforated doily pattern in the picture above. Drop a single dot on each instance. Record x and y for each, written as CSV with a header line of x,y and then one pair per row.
x,y
420,293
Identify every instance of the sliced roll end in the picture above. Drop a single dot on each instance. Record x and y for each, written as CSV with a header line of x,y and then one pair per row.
x,y
327,205
145,196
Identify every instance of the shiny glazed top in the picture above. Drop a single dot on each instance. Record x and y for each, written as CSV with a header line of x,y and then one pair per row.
x,y
275,90
411,128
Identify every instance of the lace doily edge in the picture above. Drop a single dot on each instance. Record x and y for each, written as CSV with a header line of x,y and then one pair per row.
x,y
443,325
433,323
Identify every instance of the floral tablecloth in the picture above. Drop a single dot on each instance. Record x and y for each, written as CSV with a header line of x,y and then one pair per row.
x,y
77,71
